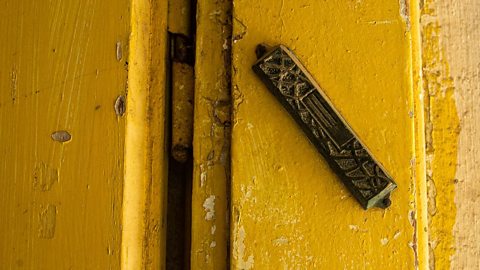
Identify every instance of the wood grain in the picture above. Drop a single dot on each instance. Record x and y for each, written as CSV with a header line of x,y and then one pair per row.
x,y
459,36
61,71
451,61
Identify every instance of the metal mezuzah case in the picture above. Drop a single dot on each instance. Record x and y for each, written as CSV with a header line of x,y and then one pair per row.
x,y
303,98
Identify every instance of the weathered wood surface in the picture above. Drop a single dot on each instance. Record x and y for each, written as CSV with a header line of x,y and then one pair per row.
x,y
451,32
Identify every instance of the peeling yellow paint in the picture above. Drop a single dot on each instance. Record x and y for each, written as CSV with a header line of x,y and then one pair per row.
x,y
47,221
243,261
442,129
209,206
211,142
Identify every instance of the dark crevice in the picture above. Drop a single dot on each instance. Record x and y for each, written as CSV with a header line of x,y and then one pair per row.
x,y
180,174
178,214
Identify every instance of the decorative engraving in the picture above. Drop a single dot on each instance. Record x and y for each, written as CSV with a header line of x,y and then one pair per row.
x,y
295,88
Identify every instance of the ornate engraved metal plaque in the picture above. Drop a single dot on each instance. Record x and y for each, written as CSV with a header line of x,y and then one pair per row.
x,y
303,98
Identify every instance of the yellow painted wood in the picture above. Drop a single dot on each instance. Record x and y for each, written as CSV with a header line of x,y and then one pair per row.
x,y
419,175
62,68
289,211
441,135
210,203
144,207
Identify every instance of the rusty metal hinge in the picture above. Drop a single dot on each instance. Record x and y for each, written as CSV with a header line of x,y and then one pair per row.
x,y
182,83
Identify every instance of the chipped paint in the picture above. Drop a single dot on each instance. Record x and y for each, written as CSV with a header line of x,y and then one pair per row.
x,y
13,84
61,136
44,177
209,207
353,227
119,50
243,261
356,228
384,241
119,106
412,219
47,222
404,11
280,241
203,175
211,142
293,193
441,140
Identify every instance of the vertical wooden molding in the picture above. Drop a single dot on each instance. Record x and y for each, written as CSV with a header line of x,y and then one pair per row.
x,y
143,235
419,175
211,149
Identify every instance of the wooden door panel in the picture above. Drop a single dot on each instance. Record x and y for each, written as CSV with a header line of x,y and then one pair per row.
x,y
63,66
289,210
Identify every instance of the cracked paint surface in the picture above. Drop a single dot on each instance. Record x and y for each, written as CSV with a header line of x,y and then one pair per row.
x,y
450,35
211,142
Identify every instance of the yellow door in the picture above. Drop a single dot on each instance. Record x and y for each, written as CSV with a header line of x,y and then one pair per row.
x,y
288,210
87,91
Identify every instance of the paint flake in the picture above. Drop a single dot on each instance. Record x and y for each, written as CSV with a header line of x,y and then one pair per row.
x,y
47,222
280,241
119,52
209,207
384,241
203,175
239,249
